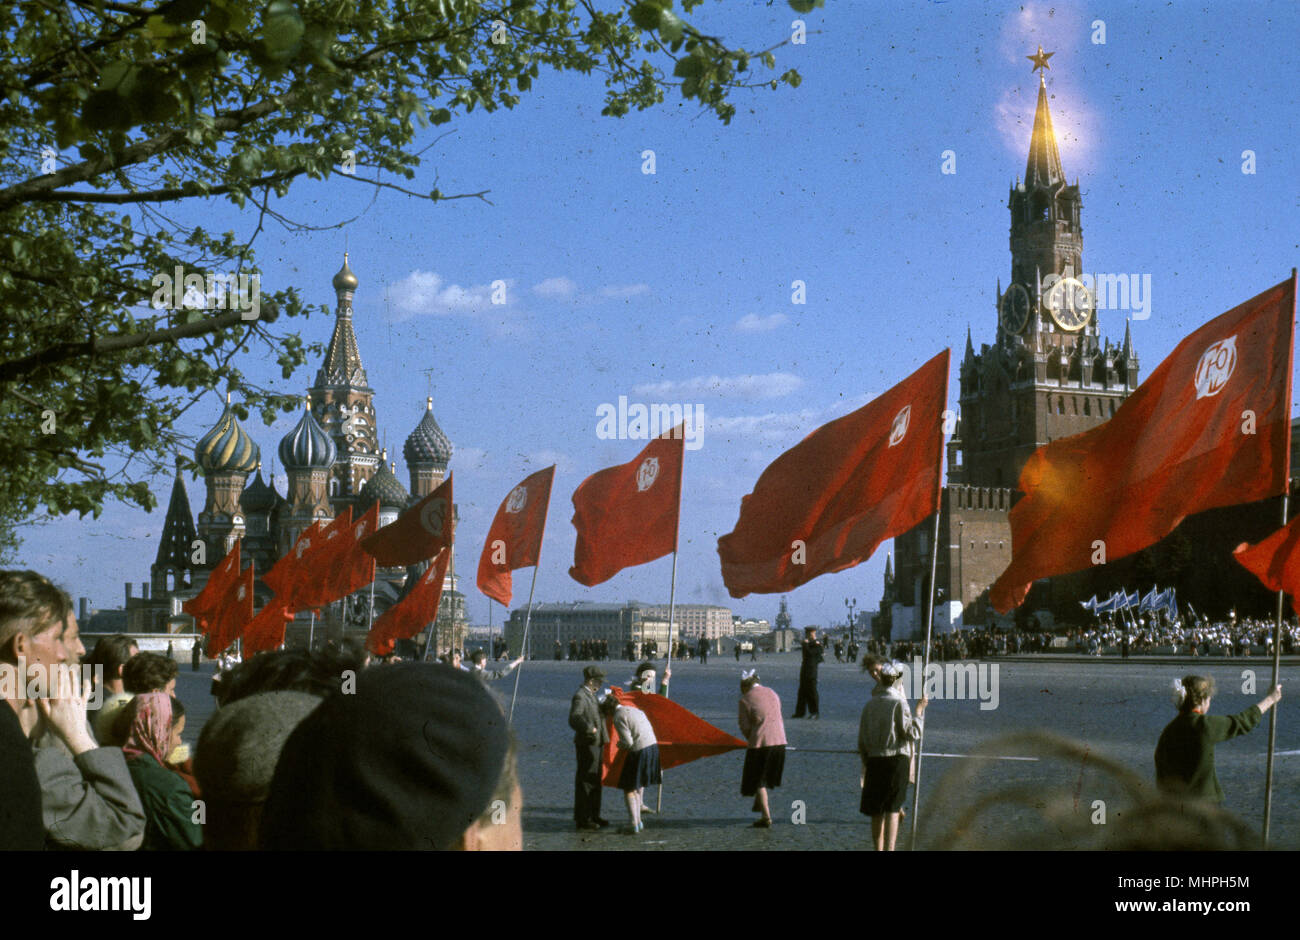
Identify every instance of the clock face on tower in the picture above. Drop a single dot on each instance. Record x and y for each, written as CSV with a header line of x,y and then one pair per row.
x,y
1070,303
1015,309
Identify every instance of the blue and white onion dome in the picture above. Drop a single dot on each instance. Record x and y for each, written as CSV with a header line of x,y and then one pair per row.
x,y
307,446
227,448
427,444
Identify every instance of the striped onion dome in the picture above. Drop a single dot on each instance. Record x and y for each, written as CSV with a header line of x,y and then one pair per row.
x,y
427,444
307,446
258,496
227,448
385,488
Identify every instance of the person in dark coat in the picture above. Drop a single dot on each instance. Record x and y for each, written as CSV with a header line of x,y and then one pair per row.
x,y
813,654
21,829
590,735
1185,752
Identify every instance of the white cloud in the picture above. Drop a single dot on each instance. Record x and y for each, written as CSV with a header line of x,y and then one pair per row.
x,y
555,287
425,293
753,323
622,291
544,458
752,387
469,458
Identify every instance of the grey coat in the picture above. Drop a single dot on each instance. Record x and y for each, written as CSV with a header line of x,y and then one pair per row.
x,y
584,712
88,802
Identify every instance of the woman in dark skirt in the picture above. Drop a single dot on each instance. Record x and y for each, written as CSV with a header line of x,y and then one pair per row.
x,y
636,738
886,736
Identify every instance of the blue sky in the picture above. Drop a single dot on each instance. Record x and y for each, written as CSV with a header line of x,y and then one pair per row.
x,y
676,286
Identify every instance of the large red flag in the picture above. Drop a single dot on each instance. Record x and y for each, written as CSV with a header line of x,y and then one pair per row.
x,y
682,735
627,515
352,567
413,612
203,604
1209,428
312,587
232,615
291,574
1275,560
825,504
266,630
515,539
419,533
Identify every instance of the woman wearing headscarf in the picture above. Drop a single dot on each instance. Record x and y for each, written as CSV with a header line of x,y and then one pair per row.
x,y
886,734
1185,752
156,724
641,768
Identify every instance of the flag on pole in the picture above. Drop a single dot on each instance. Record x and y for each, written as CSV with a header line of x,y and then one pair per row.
x,y
627,515
232,615
418,534
202,606
266,630
828,502
1108,606
353,567
328,548
413,612
1089,604
515,538
682,735
291,574
1275,560
1209,428
1150,600
1170,602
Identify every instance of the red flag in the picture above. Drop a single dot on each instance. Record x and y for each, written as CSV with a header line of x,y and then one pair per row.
x,y
290,574
352,567
515,539
627,515
266,630
312,587
203,604
233,613
1209,428
1275,560
825,504
682,735
419,533
413,612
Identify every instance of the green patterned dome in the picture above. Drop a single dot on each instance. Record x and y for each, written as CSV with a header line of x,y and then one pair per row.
x,y
384,488
227,448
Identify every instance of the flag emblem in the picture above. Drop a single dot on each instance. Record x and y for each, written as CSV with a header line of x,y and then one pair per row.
x,y
517,499
899,430
433,517
647,473
1216,367
303,545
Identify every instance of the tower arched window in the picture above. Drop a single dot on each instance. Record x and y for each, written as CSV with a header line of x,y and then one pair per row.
x,y
1087,408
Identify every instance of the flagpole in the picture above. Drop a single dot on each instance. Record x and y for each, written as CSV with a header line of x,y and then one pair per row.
x,y
1277,630
1272,717
672,602
311,634
925,663
528,619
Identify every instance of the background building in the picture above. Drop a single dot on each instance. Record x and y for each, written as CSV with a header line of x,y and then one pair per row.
x,y
333,460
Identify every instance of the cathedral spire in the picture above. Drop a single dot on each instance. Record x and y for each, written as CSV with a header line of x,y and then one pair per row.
x,y
342,365
1044,166
178,534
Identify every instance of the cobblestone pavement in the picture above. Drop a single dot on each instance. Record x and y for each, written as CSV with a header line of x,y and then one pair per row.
x,y
1114,710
